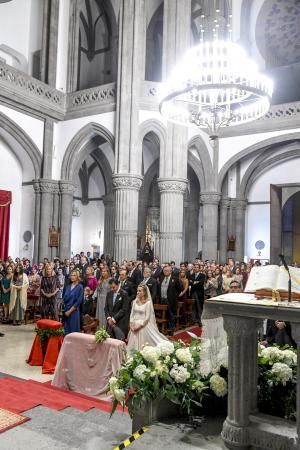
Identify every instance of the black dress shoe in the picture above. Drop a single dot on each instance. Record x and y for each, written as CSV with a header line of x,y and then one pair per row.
x,y
2,334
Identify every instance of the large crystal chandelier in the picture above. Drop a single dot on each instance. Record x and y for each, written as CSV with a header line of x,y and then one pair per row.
x,y
215,85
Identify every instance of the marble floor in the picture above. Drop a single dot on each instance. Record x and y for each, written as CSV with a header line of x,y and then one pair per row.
x,y
14,350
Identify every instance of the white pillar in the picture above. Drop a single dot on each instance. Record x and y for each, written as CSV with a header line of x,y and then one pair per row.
x,y
126,189
109,222
210,210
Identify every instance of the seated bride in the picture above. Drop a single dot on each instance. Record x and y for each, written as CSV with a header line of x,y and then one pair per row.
x,y
143,328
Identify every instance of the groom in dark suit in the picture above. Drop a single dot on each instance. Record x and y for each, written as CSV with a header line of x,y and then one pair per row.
x,y
117,311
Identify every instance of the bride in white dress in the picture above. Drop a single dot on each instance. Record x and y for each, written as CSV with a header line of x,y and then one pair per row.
x,y
143,328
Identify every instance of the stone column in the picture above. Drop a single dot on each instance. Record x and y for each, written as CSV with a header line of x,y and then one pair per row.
x,y
296,336
224,205
109,222
47,188
240,207
37,213
126,189
191,225
49,42
241,342
210,208
55,216
66,190
172,192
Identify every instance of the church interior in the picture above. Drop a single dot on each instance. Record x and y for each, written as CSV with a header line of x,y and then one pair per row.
x,y
97,162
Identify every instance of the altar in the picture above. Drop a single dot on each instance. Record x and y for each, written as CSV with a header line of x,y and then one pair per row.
x,y
85,367
245,428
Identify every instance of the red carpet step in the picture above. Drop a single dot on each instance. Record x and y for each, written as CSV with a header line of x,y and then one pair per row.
x,y
20,395
184,336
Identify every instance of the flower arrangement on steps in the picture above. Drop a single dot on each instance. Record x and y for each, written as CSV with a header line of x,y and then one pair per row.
x,y
171,372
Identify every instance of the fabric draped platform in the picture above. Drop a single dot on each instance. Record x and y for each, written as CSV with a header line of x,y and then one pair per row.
x,y
9,419
20,395
84,366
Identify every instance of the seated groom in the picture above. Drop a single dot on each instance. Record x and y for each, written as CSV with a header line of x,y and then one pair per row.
x,y
116,311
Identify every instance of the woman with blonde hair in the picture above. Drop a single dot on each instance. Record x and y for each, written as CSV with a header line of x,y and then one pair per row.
x,y
143,328
18,295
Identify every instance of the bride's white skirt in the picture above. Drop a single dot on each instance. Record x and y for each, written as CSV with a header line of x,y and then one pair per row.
x,y
147,335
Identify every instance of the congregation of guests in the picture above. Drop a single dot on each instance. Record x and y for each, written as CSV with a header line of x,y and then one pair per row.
x,y
84,293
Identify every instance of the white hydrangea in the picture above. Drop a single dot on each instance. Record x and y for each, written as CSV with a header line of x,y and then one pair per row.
x,y
113,384
166,348
289,357
179,374
161,368
119,395
218,385
150,354
184,355
273,354
140,372
283,372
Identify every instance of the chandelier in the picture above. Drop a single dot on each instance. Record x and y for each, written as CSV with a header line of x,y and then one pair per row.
x,y
215,85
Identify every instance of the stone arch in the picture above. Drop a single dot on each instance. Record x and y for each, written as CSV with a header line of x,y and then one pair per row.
x,y
255,149
77,145
259,161
155,126
206,171
22,138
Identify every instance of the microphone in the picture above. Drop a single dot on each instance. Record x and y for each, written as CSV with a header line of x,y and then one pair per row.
x,y
284,262
289,281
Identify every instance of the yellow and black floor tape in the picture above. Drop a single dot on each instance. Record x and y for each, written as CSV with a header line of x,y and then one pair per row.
x,y
131,439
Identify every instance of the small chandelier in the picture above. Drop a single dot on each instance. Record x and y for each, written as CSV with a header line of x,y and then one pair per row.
x,y
215,85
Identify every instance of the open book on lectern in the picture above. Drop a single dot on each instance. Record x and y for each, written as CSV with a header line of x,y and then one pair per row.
x,y
266,278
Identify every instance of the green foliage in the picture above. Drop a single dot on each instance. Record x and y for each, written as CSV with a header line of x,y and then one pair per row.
x,y
100,335
44,334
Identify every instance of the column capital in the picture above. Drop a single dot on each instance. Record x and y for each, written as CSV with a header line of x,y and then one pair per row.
x,y
178,185
108,199
239,326
225,202
45,186
127,181
66,187
210,198
239,203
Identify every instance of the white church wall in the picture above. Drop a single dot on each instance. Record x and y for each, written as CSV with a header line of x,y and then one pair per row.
x,y
27,221
11,180
21,29
258,215
33,127
65,131
86,227
62,45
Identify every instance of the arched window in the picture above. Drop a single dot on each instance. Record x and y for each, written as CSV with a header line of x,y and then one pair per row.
x,y
97,44
154,46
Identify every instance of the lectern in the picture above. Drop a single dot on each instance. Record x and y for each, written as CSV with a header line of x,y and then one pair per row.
x,y
245,428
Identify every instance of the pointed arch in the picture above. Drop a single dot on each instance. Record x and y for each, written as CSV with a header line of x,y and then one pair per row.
x,y
22,138
75,149
204,168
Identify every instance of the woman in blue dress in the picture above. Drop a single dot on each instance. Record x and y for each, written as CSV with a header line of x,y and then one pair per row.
x,y
73,297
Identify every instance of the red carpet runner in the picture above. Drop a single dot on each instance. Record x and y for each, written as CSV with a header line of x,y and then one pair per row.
x,y
184,336
20,395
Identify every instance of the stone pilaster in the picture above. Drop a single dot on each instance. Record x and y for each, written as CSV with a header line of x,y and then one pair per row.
x,y
191,226
47,149
37,213
66,191
109,221
126,188
240,208
46,190
210,210
55,216
172,192
241,342
223,236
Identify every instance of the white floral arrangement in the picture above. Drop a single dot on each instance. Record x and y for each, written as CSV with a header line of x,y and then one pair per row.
x,y
170,370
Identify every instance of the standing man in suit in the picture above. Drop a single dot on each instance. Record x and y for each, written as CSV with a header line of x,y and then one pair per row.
x,y
116,311
151,283
128,287
196,283
134,274
156,270
175,270
169,291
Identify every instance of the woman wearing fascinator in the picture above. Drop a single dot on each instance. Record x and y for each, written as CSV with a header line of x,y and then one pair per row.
x,y
143,328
